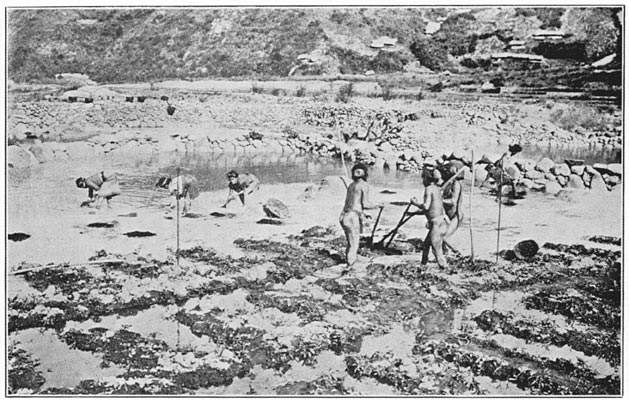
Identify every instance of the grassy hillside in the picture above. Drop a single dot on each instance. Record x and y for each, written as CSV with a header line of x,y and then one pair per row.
x,y
130,45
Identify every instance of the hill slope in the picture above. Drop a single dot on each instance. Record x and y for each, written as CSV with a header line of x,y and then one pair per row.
x,y
125,45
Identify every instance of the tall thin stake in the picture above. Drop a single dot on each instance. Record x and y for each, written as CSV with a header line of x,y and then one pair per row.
x,y
338,133
177,197
471,208
499,212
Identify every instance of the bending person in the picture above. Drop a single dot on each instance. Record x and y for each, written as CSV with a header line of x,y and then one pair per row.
x,y
182,187
99,186
240,186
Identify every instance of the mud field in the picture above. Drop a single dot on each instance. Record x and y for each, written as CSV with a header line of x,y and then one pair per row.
x,y
98,304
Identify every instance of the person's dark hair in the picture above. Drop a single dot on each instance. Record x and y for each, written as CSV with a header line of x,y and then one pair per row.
x,y
80,182
360,175
428,173
515,148
232,174
163,182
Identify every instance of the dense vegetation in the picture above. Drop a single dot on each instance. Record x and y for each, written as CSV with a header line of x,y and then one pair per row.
x,y
130,45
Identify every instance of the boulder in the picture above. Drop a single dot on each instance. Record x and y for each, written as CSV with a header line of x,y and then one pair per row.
x,y
615,169
18,157
552,188
591,170
38,152
601,168
613,180
534,174
575,182
562,180
481,175
577,169
598,183
417,157
561,169
274,208
544,165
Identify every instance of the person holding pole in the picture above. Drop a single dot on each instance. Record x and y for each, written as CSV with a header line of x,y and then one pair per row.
x,y
432,207
351,218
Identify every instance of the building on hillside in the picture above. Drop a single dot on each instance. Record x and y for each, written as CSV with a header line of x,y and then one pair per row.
x,y
383,41
516,45
542,35
517,58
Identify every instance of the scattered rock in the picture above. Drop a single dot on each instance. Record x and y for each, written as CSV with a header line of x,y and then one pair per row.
x,y
552,187
598,183
561,169
545,165
575,182
577,169
18,157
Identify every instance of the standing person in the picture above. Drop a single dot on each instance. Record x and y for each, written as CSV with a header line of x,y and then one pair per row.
x,y
99,186
453,201
182,187
437,224
240,185
351,219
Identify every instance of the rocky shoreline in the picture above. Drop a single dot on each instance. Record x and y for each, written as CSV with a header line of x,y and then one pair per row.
x,y
402,137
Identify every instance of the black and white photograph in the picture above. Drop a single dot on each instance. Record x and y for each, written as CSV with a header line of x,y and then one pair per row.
x,y
336,200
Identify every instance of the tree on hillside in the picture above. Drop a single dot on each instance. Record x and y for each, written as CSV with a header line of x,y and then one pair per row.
x,y
595,27
457,34
430,54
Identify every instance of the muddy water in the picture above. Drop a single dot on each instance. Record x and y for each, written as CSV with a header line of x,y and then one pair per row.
x,y
44,203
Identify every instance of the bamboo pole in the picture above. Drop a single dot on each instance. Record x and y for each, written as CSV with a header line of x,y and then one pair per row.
x,y
177,196
499,213
471,228
338,134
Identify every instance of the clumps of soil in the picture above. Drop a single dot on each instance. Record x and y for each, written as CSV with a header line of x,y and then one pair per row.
x,y
130,215
317,232
223,265
63,277
304,306
269,221
326,385
605,240
192,215
385,370
387,191
550,377
23,376
588,310
18,236
139,234
581,250
101,225
592,343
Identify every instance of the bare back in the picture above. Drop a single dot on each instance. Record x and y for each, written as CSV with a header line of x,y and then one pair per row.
x,y
354,197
